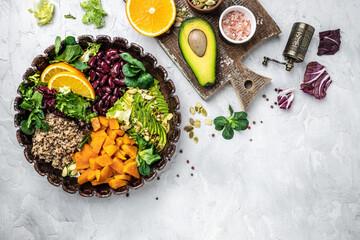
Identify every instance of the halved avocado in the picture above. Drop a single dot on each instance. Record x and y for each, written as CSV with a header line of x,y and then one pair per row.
x,y
197,43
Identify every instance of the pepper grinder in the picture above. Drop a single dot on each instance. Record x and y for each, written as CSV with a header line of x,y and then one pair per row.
x,y
297,45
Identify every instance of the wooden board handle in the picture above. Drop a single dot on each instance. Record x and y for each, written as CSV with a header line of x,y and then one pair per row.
x,y
248,85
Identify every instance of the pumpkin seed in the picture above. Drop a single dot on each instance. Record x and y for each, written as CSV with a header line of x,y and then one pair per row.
x,y
198,105
192,111
197,124
132,91
208,121
210,2
204,112
188,128
72,167
177,24
191,134
191,121
73,172
64,172
196,139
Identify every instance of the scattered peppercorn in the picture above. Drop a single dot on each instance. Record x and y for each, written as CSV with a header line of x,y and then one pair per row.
x,y
275,103
267,99
192,168
272,106
213,135
254,122
276,89
191,174
181,151
127,195
264,96
250,140
177,175
158,178
261,121
157,198
249,127
187,161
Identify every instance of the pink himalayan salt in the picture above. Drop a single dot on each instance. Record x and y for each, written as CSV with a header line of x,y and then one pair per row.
x,y
236,26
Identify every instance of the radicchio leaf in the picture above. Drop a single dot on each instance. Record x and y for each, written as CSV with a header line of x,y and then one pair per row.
x,y
285,98
48,100
316,80
329,42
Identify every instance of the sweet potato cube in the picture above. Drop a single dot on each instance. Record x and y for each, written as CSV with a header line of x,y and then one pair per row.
x,y
97,174
111,149
97,143
127,140
119,154
91,174
104,160
113,124
99,133
132,169
83,177
116,183
130,150
87,152
104,121
81,161
111,133
95,122
123,177
95,182
93,164
108,141
104,173
129,161
120,132
117,165
119,141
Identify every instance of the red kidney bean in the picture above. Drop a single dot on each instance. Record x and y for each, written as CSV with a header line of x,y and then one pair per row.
x,y
99,105
99,74
115,70
92,61
113,100
105,67
98,92
99,69
111,82
122,74
106,89
92,74
104,79
122,63
111,52
96,83
107,61
100,54
114,57
122,88
116,91
119,82
107,103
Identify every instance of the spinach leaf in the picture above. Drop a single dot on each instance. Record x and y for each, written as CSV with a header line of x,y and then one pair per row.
x,y
145,80
70,40
25,129
131,82
238,122
130,71
133,61
144,169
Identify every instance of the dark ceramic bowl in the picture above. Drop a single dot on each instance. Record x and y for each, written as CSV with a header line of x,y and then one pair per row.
x,y
199,10
167,88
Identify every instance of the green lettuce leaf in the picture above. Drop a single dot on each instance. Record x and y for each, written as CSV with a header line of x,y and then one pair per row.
x,y
94,13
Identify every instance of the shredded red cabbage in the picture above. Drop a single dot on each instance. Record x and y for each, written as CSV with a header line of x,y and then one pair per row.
x,y
316,80
285,98
48,100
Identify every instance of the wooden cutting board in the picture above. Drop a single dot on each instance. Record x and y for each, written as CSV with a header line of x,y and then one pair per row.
x,y
228,64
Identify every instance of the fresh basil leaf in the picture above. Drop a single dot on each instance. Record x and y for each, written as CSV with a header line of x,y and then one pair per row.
x,y
231,110
145,80
228,132
131,82
220,121
25,129
240,115
70,40
57,45
80,65
144,169
129,71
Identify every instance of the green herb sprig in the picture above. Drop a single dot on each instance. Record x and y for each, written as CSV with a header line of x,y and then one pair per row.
x,y
135,73
236,121
146,156
69,16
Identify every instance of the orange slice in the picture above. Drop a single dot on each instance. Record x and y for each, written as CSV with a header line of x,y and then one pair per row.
x,y
77,82
55,68
151,17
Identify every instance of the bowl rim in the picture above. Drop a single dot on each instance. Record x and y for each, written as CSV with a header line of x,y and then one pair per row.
x,y
104,191
200,10
241,9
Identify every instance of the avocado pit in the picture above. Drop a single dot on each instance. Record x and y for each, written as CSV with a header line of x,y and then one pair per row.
x,y
198,42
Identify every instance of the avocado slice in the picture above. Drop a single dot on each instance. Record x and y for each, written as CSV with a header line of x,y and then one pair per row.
x,y
197,43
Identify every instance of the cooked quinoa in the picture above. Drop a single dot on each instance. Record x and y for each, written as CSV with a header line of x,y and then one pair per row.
x,y
57,145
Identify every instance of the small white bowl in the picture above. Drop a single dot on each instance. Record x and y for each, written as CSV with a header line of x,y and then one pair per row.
x,y
248,14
